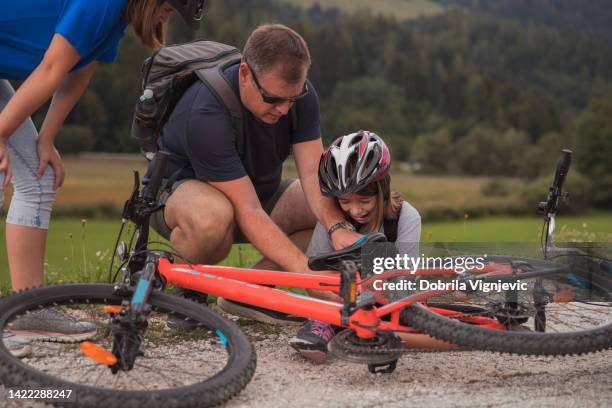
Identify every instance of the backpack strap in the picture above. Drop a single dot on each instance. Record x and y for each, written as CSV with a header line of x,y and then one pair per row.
x,y
217,83
293,118
390,227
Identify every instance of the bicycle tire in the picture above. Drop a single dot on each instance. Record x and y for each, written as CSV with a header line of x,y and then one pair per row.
x,y
525,343
235,375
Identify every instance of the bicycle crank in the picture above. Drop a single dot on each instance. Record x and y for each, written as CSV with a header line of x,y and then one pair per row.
x,y
382,350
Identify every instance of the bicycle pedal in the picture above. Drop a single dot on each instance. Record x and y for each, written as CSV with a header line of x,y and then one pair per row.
x,y
98,354
384,368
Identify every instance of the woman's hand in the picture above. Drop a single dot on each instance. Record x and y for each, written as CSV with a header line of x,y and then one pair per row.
x,y
5,165
48,155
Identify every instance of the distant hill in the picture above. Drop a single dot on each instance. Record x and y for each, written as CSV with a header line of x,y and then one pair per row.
x,y
589,17
400,9
592,18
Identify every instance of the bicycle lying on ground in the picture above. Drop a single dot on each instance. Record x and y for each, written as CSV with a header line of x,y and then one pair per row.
x,y
136,359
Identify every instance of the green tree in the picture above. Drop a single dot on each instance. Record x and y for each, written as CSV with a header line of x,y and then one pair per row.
x,y
540,159
594,149
73,139
366,103
433,153
486,151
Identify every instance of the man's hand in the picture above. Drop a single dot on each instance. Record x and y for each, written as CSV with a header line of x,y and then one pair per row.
x,y
48,155
343,238
259,228
324,295
5,165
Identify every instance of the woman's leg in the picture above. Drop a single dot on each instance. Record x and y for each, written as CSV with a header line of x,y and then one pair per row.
x,y
26,255
30,209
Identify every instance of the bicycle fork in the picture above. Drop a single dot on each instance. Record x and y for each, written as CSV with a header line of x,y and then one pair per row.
x,y
127,322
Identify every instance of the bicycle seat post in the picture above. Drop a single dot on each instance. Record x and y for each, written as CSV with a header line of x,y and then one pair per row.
x,y
348,289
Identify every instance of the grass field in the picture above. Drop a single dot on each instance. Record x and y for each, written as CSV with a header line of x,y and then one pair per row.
x,y
400,9
80,251
94,180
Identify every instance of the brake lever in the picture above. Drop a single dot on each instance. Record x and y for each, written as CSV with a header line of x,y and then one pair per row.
x,y
565,198
155,209
128,207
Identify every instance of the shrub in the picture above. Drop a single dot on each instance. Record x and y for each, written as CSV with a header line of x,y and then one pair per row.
x,y
579,187
73,139
498,187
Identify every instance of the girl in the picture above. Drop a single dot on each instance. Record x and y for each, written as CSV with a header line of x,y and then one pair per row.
x,y
55,47
355,170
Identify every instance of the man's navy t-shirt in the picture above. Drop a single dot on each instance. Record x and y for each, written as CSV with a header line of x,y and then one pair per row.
x,y
201,139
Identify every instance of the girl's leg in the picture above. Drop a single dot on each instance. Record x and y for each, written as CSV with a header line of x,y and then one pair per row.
x,y
30,209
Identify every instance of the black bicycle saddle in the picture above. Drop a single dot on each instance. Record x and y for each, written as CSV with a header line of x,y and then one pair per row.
x,y
333,260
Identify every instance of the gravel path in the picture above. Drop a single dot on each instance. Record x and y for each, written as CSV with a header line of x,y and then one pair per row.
x,y
438,379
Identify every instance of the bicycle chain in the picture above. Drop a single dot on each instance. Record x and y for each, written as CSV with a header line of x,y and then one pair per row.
x,y
406,350
360,354
360,350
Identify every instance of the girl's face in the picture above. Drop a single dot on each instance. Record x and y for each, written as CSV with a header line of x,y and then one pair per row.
x,y
359,208
162,13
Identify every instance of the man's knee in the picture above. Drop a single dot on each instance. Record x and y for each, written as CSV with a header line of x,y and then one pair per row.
x,y
292,212
201,215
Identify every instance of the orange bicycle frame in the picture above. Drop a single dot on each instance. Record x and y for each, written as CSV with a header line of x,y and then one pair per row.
x,y
248,286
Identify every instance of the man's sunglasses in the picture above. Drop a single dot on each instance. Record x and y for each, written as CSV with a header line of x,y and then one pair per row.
x,y
276,100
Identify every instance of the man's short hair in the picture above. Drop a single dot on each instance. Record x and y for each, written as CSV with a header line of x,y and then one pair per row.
x,y
271,44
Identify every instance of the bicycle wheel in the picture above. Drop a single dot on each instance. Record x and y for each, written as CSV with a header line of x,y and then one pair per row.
x,y
554,311
198,368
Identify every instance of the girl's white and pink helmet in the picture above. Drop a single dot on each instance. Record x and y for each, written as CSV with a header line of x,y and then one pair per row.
x,y
352,162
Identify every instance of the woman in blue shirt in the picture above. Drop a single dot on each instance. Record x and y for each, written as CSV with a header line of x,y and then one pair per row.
x,y
55,46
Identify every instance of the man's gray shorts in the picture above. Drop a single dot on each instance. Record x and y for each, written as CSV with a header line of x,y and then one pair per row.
x,y
159,223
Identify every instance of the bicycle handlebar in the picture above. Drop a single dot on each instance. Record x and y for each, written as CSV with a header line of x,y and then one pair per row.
x,y
157,174
562,168
556,189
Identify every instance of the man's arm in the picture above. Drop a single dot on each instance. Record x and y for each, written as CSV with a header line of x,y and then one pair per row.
x,y
307,155
259,228
263,233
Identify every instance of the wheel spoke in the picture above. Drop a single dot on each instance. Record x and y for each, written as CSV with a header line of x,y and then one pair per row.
x,y
165,358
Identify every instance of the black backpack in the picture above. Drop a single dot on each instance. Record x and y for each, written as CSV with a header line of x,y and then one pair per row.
x,y
168,73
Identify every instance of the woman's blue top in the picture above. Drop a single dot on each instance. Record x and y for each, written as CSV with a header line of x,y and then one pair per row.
x,y
93,27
